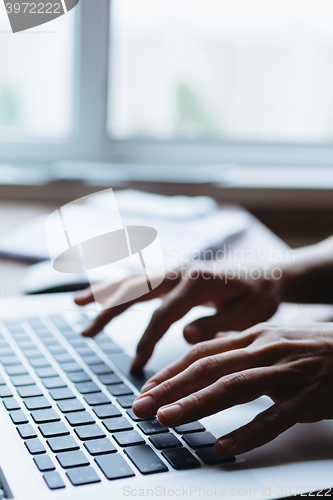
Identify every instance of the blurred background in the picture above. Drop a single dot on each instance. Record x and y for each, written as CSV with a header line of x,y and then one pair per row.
x,y
231,99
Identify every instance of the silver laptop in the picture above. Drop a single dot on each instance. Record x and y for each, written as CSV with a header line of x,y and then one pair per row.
x,y
67,429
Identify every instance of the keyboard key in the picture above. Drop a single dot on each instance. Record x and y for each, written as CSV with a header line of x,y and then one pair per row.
x,y
6,351
84,351
61,394
44,463
99,446
22,380
131,414
33,354
114,466
126,401
53,430
77,377
18,417
11,404
89,432
26,431
31,391
84,475
26,345
2,382
16,370
9,361
56,348
54,383
47,372
59,444
70,405
165,441
145,460
49,341
102,338
110,379
64,358
97,399
35,446
192,427
123,363
5,392
78,342
87,388
129,438
199,440
80,418
45,416
40,403
101,369
72,459
152,427
120,390
181,459
111,348
117,424
210,457
107,411
39,363
71,367
54,481
92,360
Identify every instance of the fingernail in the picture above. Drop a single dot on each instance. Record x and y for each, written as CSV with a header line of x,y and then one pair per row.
x,y
143,404
170,412
147,386
226,443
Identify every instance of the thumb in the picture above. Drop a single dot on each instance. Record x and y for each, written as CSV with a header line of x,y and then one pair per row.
x,y
203,329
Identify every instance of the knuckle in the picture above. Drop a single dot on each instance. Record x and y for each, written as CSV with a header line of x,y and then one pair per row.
x,y
198,351
167,389
234,379
194,400
201,367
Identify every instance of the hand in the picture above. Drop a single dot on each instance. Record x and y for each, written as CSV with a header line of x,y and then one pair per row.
x,y
239,303
293,365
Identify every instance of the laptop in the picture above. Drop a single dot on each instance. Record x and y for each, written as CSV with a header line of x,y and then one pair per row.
x,y
67,429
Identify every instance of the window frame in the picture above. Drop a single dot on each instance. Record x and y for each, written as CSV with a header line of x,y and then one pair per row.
x,y
90,141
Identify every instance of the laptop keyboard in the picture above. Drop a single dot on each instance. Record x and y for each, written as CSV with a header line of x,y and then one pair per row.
x,y
70,399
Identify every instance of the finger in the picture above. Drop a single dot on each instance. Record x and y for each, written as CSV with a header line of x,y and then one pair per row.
x,y
85,297
103,319
262,429
237,388
199,375
118,297
206,328
176,304
202,350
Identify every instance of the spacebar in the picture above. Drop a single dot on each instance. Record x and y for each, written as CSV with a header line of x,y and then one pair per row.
x,y
123,363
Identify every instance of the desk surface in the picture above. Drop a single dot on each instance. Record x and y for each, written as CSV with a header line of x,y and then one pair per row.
x,y
12,215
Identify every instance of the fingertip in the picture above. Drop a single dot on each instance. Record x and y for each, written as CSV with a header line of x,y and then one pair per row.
x,y
192,334
226,446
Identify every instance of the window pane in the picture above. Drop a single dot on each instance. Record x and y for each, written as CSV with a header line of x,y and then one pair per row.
x,y
229,69
36,79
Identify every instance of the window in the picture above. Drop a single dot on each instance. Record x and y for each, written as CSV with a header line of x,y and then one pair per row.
x,y
171,82
231,70
36,80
